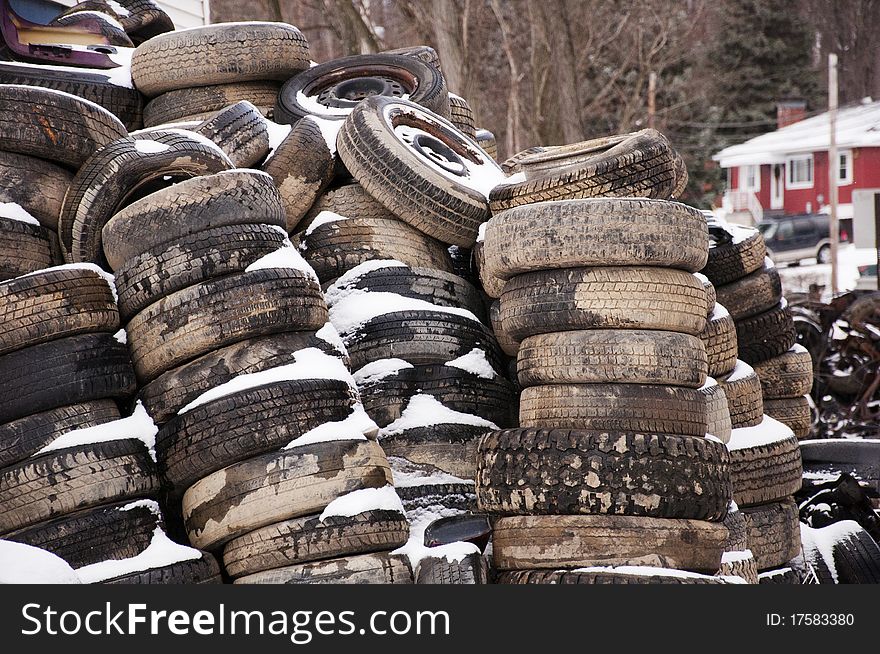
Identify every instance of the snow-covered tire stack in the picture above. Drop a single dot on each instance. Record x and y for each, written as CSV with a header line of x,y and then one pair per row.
x,y
600,293
76,478
260,423
748,286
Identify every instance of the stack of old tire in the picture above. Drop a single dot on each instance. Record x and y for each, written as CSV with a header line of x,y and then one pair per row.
x,y
764,453
260,426
75,478
611,477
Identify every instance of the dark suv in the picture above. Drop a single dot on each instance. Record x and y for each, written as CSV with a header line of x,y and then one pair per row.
x,y
793,238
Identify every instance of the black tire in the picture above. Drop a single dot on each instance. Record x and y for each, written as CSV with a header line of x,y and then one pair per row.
x,y
509,345
633,165
98,23
739,564
25,248
860,458
561,472
334,248
470,570
37,186
765,335
428,284
788,375
171,391
420,337
577,541
603,298
209,254
246,424
69,370
51,125
857,558
732,258
595,232
279,486
144,20
301,540
612,355
615,407
335,87
493,286
493,399
755,293
219,54
215,313
93,85
240,131
204,570
719,338
117,174
773,533
61,482
302,167
109,532
377,568
53,304
170,107
780,576
26,436
486,140
451,498
765,473
233,197
447,203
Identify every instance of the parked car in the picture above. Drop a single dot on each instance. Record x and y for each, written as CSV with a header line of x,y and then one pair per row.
x,y
791,239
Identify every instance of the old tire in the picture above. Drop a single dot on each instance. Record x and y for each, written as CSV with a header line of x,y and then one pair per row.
x,y
755,293
744,399
788,375
764,470
719,338
35,185
567,472
170,107
773,532
378,568
603,298
734,252
765,335
25,248
795,412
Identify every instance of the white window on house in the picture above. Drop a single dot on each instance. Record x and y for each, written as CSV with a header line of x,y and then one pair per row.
x,y
844,167
750,178
800,172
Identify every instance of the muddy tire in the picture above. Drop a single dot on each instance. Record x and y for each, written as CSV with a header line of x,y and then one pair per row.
x,y
755,293
744,399
379,568
788,375
603,298
35,185
731,259
719,338
170,107
561,472
204,570
764,473
773,532
765,335
795,412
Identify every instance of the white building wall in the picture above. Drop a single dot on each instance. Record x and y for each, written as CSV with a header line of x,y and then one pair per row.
x,y
184,13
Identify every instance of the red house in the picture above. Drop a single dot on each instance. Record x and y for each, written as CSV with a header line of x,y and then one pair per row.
x,y
786,171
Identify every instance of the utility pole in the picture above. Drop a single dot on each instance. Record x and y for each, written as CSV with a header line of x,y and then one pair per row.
x,y
652,98
833,166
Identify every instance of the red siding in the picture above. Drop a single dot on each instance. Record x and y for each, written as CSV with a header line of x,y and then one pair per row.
x,y
764,193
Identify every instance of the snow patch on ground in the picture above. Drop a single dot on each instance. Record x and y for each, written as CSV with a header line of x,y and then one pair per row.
x,y
309,363
139,426
357,426
351,309
160,553
376,371
768,431
363,500
13,211
286,256
24,564
474,362
425,411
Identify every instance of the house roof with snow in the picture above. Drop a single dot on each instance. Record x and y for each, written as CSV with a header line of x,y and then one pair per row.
x,y
857,127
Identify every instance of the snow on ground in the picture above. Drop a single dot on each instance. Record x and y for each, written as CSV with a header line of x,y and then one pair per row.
x,y
797,279
161,552
24,564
